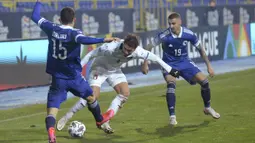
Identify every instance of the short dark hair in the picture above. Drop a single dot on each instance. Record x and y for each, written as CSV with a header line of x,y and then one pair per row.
x,y
131,40
67,15
174,15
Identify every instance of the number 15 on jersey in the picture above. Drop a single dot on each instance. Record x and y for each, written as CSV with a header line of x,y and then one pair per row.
x,y
59,52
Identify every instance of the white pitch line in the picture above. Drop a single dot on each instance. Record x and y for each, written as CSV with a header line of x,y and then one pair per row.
x,y
27,116
21,117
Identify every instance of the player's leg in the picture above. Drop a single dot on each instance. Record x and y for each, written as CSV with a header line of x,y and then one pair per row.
x,y
57,94
193,75
119,83
206,94
123,92
170,96
95,81
80,104
50,121
80,87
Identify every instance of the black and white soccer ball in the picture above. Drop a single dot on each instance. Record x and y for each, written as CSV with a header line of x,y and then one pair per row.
x,y
76,129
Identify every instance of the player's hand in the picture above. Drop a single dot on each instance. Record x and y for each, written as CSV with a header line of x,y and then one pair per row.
x,y
108,40
174,73
145,67
210,71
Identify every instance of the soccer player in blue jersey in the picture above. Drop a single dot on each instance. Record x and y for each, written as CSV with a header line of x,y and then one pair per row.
x,y
174,43
63,64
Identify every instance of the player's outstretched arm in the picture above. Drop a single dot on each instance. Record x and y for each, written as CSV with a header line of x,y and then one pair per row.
x,y
169,69
155,42
44,24
86,40
146,55
145,67
104,50
145,64
36,12
206,60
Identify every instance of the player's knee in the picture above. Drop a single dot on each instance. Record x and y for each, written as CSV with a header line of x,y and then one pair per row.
x,y
88,95
204,84
90,99
171,87
126,93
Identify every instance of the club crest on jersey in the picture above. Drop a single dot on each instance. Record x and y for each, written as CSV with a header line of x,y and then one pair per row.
x,y
184,43
118,61
95,76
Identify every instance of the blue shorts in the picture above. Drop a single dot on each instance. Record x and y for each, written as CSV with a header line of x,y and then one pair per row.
x,y
188,69
59,88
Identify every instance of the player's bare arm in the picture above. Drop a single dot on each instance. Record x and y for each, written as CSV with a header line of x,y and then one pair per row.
x,y
145,67
147,55
145,64
108,40
156,41
206,60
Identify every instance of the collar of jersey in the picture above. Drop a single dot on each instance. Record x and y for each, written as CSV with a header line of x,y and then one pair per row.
x,y
177,36
66,27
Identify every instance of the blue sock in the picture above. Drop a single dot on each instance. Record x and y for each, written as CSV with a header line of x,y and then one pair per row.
x,y
170,98
50,121
94,108
205,92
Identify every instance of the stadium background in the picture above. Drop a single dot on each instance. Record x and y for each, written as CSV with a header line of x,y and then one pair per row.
x,y
225,31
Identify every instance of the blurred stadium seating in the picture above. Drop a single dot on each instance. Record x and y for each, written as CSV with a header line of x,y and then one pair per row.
x,y
53,5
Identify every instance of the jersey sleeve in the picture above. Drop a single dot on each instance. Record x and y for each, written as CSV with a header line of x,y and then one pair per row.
x,y
44,24
194,40
88,57
107,49
147,55
141,53
80,38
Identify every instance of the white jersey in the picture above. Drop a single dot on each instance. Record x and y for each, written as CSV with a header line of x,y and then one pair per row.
x,y
109,58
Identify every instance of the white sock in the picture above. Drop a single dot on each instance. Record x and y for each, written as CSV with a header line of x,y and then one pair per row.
x,y
77,107
117,102
172,116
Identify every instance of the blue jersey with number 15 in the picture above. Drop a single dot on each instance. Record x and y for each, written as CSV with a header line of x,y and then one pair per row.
x,y
63,59
175,46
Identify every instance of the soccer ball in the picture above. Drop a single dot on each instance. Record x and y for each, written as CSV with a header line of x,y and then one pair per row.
x,y
76,129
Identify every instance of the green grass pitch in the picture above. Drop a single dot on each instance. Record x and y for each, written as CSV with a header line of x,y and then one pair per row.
x,y
144,118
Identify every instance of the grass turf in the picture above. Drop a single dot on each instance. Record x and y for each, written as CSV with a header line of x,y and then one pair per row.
x,y
144,118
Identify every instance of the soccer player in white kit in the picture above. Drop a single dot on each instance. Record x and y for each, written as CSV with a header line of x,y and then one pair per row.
x,y
106,66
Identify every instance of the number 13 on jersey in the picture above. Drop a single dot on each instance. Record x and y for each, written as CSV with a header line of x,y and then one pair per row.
x,y
59,52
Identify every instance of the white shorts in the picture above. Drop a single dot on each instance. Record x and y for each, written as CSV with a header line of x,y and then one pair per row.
x,y
112,78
